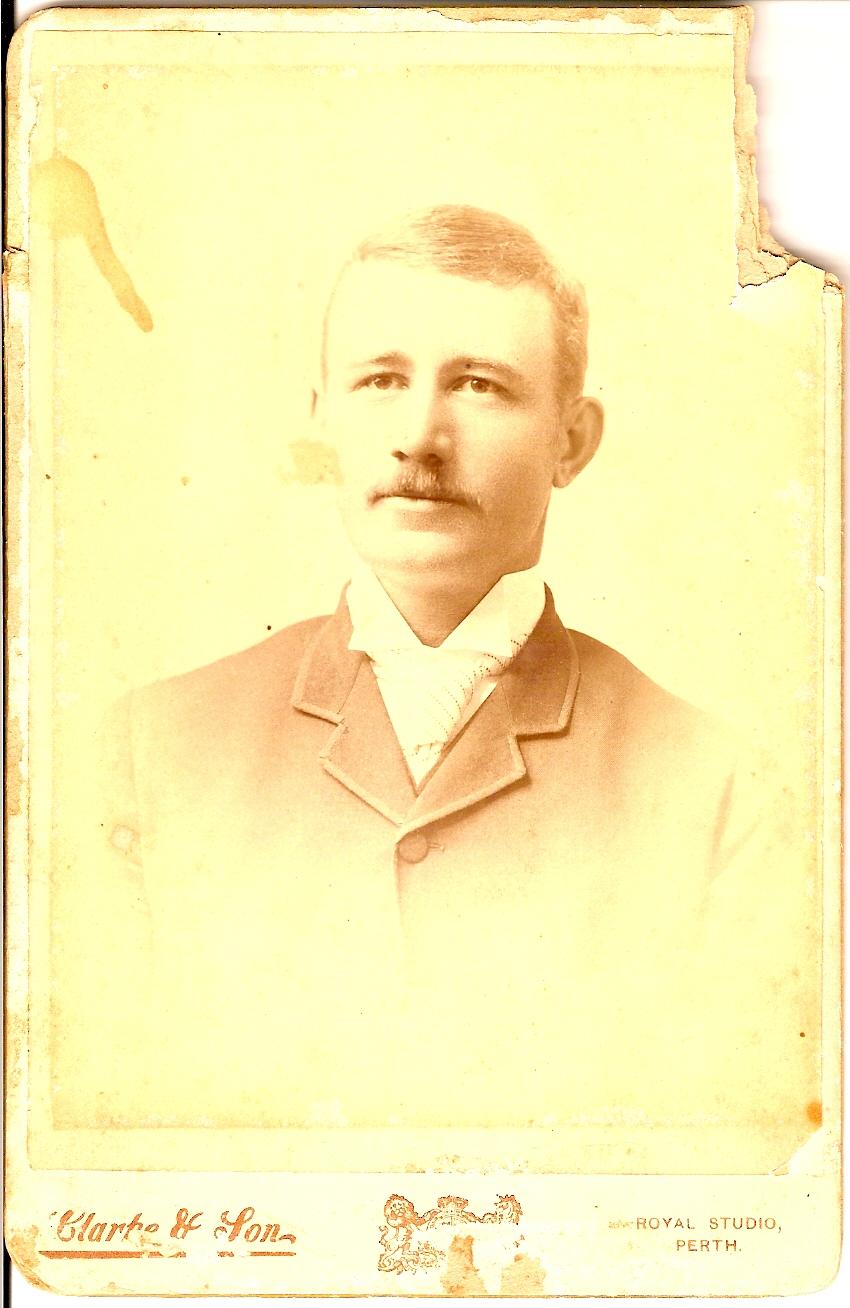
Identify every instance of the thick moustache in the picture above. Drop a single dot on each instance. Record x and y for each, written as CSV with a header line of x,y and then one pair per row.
x,y
420,495
439,494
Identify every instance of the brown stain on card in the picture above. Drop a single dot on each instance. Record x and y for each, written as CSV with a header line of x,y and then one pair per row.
x,y
24,1254
461,1276
642,17
814,1112
314,464
523,1277
64,199
14,767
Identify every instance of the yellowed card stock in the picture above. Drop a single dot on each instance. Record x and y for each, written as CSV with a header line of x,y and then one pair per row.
x,y
216,1082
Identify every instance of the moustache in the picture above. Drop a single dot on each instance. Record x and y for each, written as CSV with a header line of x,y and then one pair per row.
x,y
423,484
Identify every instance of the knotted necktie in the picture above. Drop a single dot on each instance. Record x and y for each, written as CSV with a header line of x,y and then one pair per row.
x,y
430,693
439,686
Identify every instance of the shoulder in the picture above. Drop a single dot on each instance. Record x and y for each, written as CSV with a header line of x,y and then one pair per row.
x,y
623,701
252,681
668,755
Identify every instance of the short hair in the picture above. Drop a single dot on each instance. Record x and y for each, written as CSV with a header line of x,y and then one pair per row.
x,y
483,246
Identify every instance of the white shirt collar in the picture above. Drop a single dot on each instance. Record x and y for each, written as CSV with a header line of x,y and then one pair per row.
x,y
499,624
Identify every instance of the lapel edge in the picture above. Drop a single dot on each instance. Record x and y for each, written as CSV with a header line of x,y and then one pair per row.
x,y
346,779
328,668
550,657
469,798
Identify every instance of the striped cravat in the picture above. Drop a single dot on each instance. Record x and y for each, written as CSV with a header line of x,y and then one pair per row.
x,y
431,693
441,689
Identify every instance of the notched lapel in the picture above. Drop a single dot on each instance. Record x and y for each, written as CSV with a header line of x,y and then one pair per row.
x,y
534,697
328,668
363,753
484,759
542,682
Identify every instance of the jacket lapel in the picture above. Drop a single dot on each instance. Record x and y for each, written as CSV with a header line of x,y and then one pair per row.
x,y
542,682
484,759
534,697
363,753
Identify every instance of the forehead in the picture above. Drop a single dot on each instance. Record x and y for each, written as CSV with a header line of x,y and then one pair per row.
x,y
380,306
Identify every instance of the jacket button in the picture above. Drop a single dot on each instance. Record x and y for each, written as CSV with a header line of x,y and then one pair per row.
x,y
413,847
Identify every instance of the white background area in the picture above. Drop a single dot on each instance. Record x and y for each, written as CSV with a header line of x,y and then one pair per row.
x,y
799,67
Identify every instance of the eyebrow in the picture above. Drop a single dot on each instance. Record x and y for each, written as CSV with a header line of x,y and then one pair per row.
x,y
470,363
392,359
498,366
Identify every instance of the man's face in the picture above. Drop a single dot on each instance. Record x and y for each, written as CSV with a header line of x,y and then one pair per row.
x,y
441,402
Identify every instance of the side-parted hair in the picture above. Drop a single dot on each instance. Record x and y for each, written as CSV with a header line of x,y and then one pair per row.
x,y
487,247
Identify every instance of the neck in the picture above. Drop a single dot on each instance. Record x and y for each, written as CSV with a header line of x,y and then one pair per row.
x,y
432,613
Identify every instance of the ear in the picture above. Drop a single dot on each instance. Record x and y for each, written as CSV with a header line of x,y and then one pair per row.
x,y
581,432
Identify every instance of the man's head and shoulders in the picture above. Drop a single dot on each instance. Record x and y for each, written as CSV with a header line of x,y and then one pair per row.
x,y
453,361
554,853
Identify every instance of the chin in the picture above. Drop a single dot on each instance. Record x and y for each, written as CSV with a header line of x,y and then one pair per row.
x,y
425,560
421,563
413,549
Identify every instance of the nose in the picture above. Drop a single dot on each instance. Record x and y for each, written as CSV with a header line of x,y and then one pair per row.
x,y
426,429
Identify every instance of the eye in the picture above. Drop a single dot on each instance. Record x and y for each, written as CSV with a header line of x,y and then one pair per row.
x,y
381,381
478,385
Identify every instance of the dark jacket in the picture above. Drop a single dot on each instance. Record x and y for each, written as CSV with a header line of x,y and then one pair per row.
x,y
584,917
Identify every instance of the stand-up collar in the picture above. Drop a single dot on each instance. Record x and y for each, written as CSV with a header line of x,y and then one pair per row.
x,y
498,623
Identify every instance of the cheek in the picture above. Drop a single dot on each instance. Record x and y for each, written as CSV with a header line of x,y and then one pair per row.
x,y
520,481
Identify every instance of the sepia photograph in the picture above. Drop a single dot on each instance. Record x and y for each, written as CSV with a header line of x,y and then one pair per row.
x,y
447,849
424,576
